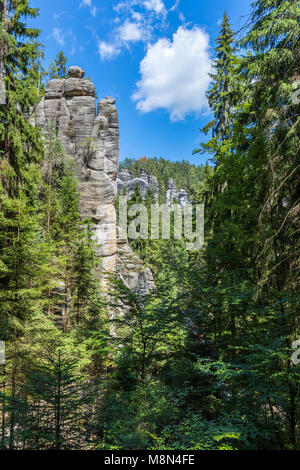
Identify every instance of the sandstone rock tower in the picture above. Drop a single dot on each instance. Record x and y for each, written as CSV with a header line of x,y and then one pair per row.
x,y
89,133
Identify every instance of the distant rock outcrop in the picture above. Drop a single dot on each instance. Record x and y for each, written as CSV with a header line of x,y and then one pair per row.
x,y
90,136
174,196
147,182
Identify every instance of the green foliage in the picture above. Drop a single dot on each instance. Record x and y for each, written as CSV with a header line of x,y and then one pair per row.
x,y
185,174
20,144
243,303
57,407
204,361
58,67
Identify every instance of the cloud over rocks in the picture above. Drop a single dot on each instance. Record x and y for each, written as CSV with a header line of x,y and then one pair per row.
x,y
174,74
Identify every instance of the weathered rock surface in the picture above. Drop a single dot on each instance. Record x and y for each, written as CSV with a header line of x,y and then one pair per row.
x,y
76,72
172,192
134,274
90,137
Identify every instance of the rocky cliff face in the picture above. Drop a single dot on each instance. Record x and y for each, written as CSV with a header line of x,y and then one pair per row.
x,y
89,133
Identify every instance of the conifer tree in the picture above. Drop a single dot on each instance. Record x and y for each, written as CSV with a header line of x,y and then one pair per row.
x,y
58,67
220,94
20,145
87,303
23,258
272,144
59,411
68,235
24,281
248,279
222,193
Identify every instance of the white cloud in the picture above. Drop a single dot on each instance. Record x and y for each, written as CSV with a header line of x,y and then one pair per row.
x,y
137,20
88,3
120,6
130,31
156,5
58,36
174,74
175,6
137,16
108,50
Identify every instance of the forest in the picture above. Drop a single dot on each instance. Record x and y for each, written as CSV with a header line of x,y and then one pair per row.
x,y
208,359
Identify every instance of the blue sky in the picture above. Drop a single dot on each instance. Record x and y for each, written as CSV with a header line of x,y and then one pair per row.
x,y
153,56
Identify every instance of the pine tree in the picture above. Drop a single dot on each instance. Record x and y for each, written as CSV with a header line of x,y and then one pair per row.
x,y
53,166
58,67
68,234
79,298
221,97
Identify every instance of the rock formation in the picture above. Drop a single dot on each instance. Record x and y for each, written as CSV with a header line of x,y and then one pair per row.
x,y
90,137
145,181
173,195
148,182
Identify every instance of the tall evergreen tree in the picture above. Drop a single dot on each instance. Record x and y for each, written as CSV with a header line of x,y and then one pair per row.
x,y
20,145
220,94
58,67
23,256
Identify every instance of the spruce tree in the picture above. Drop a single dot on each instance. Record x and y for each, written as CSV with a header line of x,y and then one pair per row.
x,y
24,282
220,94
20,145
87,303
60,407
23,258
246,285
272,144
58,67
